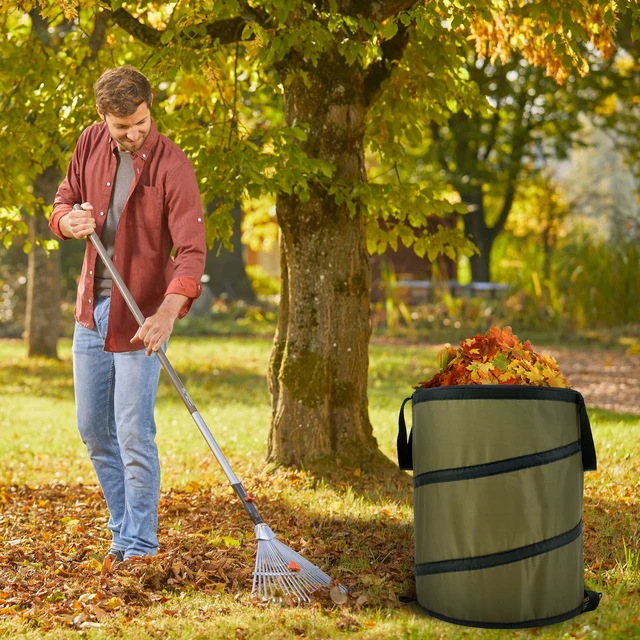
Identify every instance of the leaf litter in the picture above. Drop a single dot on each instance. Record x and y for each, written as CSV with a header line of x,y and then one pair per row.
x,y
54,538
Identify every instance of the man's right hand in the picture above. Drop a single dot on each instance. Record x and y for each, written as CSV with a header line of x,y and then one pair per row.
x,y
78,223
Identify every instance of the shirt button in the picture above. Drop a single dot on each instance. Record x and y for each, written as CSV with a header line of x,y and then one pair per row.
x,y
199,219
108,184
144,155
90,300
102,213
90,273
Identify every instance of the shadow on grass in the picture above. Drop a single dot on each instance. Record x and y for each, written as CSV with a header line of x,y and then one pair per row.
x,y
54,379
379,481
221,383
50,569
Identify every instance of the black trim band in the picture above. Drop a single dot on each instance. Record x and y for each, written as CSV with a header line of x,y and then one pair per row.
x,y
495,468
495,392
538,622
500,558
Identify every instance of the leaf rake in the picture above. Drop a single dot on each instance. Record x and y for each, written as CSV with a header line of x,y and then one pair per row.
x,y
279,571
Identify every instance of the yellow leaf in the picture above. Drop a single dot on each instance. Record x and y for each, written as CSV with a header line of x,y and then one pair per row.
x,y
96,565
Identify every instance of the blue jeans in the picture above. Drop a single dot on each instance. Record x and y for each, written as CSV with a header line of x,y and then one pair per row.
x,y
115,397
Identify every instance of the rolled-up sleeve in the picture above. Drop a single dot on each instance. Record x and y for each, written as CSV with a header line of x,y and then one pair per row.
x,y
69,192
186,226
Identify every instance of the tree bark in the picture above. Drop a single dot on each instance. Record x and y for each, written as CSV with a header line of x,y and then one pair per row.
x,y
43,277
476,228
226,269
319,363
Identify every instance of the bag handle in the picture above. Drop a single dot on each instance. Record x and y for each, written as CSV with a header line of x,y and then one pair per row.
x,y
405,456
591,600
589,462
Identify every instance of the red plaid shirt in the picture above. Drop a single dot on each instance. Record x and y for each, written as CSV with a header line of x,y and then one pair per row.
x,y
163,211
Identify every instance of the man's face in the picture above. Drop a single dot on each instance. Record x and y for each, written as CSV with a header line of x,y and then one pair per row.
x,y
131,131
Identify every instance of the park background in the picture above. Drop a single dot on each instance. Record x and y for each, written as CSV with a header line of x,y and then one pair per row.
x,y
380,179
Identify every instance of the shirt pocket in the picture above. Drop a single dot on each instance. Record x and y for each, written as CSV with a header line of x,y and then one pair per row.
x,y
145,208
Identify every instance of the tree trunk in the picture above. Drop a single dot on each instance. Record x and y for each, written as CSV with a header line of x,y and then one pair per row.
x,y
226,269
43,277
483,237
319,363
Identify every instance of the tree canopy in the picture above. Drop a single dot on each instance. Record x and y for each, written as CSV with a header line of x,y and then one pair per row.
x,y
313,103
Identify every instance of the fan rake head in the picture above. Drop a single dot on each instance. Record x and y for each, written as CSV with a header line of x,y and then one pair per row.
x,y
280,571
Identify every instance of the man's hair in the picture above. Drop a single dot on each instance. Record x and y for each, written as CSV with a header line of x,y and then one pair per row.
x,y
120,91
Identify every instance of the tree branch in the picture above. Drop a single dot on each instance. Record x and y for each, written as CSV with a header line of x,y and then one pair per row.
x,y
509,197
435,133
521,138
493,135
227,31
146,34
377,73
375,10
99,33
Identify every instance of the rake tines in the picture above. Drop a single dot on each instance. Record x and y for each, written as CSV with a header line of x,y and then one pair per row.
x,y
280,571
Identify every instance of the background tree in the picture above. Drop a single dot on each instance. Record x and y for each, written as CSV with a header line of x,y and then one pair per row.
x,y
226,268
351,78
532,119
30,80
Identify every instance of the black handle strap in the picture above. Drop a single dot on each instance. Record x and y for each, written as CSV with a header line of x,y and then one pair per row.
x,y
405,457
591,600
589,462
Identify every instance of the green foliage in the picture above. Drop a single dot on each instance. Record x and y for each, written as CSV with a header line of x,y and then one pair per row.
x,y
221,87
590,284
261,282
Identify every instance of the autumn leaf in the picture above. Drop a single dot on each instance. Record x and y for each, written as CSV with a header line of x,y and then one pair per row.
x,y
294,566
337,596
498,357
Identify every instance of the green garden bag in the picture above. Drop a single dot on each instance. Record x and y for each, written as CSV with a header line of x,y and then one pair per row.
x,y
498,483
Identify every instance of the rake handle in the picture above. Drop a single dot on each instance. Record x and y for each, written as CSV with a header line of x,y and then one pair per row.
x,y
177,383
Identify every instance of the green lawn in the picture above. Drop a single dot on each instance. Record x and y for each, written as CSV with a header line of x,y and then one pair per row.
x,y
357,525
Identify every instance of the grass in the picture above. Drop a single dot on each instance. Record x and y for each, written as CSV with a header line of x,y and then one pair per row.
x,y
225,377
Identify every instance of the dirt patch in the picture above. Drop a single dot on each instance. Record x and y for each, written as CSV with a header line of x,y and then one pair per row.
x,y
606,379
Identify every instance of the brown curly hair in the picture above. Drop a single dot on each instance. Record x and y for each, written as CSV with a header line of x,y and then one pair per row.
x,y
120,91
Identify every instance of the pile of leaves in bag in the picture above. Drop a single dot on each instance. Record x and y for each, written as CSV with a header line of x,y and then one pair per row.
x,y
497,357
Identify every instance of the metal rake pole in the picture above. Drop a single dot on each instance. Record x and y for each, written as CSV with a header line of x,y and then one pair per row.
x,y
279,570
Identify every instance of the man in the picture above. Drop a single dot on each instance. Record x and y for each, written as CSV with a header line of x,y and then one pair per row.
x,y
139,193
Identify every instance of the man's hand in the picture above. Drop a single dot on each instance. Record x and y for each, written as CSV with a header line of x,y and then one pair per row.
x,y
78,223
158,327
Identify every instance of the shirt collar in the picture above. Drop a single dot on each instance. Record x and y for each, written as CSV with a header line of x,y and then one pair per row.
x,y
146,148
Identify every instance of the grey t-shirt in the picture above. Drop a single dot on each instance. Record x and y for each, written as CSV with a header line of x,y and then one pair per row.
x,y
121,186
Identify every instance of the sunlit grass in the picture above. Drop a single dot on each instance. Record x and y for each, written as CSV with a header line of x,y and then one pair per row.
x,y
226,378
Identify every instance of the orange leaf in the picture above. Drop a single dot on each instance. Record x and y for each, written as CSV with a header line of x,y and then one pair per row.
x,y
293,566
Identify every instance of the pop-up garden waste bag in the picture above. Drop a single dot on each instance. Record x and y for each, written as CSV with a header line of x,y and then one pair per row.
x,y
498,483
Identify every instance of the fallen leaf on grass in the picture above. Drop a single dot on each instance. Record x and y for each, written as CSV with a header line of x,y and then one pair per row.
x,y
99,613
337,596
347,623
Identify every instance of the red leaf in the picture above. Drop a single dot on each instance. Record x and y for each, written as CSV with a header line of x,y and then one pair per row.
x,y
293,566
